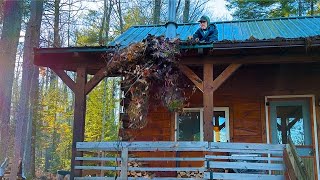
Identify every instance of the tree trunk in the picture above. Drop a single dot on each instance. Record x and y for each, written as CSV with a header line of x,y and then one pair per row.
x,y
312,7
1,11
56,37
156,11
120,16
103,23
299,8
186,11
23,114
8,49
108,19
35,118
178,6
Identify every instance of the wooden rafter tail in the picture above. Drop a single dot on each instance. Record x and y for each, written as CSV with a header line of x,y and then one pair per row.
x,y
224,76
192,76
65,78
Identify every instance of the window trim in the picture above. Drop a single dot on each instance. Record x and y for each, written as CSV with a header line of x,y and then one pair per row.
x,y
225,109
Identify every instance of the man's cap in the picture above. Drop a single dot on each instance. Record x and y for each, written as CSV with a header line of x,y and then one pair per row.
x,y
205,18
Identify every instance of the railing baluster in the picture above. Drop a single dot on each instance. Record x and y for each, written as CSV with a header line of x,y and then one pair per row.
x,y
255,158
124,164
295,162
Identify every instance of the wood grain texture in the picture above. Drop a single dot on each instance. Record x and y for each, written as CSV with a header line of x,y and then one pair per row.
x,y
192,76
224,75
65,78
207,101
79,117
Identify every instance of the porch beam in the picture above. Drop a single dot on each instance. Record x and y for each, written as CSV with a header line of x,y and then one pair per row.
x,y
252,59
65,78
192,76
96,79
208,102
79,119
224,76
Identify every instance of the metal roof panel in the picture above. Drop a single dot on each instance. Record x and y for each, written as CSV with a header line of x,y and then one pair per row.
x,y
290,27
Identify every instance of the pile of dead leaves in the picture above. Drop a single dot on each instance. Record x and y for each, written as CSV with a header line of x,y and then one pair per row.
x,y
150,65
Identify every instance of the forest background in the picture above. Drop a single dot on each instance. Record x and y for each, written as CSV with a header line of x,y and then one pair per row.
x,y
36,108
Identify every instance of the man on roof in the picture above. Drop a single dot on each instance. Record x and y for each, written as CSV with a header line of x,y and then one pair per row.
x,y
207,32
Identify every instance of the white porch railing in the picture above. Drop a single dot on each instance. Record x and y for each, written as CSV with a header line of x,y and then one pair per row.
x,y
208,160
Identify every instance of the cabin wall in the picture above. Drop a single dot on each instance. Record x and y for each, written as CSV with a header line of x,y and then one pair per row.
x,y
251,83
244,93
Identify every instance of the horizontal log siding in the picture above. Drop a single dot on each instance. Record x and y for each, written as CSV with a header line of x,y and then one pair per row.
x,y
244,94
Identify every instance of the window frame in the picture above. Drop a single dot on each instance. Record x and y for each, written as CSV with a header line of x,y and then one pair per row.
x,y
225,109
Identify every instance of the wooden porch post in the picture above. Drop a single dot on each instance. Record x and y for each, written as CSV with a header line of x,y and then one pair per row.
x,y
80,88
79,118
208,86
208,102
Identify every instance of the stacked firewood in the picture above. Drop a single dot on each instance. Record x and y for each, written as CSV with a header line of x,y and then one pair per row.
x,y
143,174
189,174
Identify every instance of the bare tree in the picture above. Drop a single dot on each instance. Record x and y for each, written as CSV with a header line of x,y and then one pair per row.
x,y
178,6
8,49
186,11
103,22
107,28
120,16
312,2
23,113
156,11
56,36
196,9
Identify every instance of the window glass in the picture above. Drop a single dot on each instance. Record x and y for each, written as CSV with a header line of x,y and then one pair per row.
x,y
290,123
219,126
188,126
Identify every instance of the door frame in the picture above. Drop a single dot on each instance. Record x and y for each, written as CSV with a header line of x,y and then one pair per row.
x,y
313,115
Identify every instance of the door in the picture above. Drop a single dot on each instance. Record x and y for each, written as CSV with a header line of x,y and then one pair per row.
x,y
292,117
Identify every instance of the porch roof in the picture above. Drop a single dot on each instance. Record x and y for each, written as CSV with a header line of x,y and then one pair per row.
x,y
258,29
246,41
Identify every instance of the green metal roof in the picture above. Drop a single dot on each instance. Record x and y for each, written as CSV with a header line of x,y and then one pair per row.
x,y
292,27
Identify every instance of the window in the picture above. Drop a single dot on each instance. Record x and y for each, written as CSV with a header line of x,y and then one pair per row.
x,y
221,124
189,125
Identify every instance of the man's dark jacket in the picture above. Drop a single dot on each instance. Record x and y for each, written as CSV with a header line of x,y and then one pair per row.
x,y
210,36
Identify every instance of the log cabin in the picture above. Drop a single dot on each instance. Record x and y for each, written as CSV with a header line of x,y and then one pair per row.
x,y
258,84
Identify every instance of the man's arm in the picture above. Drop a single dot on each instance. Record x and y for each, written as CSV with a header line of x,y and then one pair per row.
x,y
213,36
196,34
